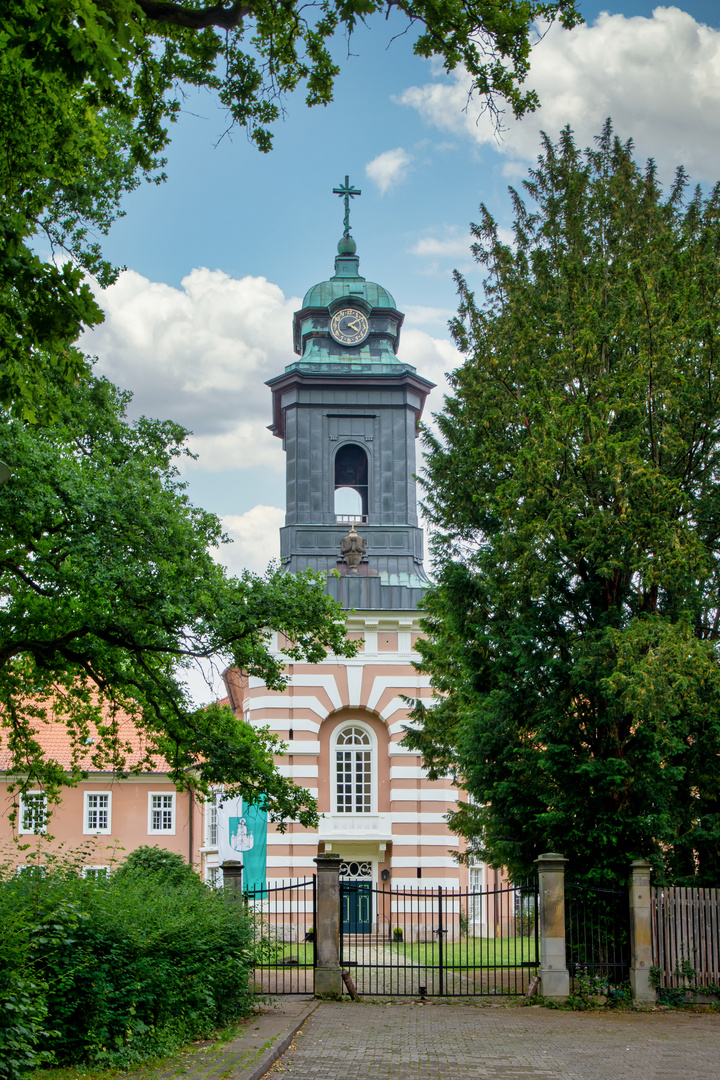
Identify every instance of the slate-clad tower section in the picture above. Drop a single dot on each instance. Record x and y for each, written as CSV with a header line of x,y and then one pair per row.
x,y
348,411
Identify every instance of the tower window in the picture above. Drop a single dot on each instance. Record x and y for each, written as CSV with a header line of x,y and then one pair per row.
x,y
351,484
353,771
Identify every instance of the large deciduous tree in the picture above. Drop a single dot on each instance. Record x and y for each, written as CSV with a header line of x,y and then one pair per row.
x,y
89,87
108,591
574,629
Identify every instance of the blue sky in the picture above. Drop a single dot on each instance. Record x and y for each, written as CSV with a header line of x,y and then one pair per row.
x,y
219,256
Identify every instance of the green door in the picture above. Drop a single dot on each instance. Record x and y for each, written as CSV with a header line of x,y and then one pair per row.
x,y
356,907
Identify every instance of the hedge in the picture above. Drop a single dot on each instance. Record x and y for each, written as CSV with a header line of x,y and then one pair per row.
x,y
112,970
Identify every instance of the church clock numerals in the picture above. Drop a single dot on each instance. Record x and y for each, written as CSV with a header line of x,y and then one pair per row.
x,y
349,326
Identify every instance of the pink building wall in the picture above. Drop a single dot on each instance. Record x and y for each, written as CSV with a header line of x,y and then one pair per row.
x,y
406,833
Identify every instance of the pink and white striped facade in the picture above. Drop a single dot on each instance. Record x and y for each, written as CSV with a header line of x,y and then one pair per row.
x,y
402,827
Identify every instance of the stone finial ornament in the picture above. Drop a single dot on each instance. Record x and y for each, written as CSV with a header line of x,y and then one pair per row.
x,y
352,548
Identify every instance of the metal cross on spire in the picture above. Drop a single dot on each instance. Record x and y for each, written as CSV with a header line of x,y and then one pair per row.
x,y
348,193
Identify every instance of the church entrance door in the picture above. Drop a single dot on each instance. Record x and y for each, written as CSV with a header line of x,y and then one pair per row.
x,y
356,896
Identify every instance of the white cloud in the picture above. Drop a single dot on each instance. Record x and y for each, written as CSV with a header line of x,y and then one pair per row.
x,y
658,78
434,358
423,316
200,355
255,537
389,169
454,244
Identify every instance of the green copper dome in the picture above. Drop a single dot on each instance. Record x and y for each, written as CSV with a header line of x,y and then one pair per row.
x,y
347,281
322,350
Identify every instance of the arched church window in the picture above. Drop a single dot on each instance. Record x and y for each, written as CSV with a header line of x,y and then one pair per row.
x,y
353,771
351,484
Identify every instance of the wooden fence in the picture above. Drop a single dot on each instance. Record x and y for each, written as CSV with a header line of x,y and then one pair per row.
x,y
686,926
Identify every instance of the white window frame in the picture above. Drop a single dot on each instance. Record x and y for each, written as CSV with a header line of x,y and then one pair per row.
x,y
477,883
213,877
105,868
211,809
22,829
164,794
373,768
29,866
87,831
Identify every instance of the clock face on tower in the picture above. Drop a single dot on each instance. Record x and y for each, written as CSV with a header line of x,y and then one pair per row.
x,y
349,326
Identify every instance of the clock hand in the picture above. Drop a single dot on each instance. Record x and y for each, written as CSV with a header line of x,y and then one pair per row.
x,y
354,324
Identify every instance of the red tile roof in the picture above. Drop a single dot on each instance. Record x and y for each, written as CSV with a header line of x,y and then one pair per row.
x,y
57,743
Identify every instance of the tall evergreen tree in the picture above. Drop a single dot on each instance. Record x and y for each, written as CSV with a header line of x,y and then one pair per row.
x,y
573,485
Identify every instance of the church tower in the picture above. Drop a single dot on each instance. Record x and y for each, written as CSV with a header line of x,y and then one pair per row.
x,y
347,409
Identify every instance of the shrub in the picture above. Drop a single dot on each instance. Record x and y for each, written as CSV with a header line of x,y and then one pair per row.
x,y
109,971
171,866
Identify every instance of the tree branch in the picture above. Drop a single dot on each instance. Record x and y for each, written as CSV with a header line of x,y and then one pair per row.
x,y
226,18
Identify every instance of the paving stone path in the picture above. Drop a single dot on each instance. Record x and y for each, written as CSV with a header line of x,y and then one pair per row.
x,y
409,1041
247,1055
380,970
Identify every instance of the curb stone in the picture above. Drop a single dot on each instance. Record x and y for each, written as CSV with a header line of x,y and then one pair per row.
x,y
260,1041
270,1053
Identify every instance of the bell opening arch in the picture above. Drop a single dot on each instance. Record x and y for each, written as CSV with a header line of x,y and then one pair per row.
x,y
351,486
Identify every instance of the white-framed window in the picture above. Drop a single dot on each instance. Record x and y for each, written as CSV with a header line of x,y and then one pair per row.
x,y
97,872
31,870
32,812
213,877
211,823
97,812
161,812
354,757
476,893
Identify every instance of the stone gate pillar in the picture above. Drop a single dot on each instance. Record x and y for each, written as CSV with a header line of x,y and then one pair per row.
x,y
640,933
232,878
554,977
328,979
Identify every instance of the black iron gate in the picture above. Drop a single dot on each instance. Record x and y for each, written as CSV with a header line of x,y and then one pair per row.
x,y
443,942
597,933
284,919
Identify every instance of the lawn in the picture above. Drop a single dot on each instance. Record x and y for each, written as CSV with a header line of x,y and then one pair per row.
x,y
280,954
471,952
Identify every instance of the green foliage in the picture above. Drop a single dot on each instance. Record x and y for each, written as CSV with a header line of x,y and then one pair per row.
x,y
168,866
88,89
23,1026
687,984
592,990
110,971
573,630
588,988
110,592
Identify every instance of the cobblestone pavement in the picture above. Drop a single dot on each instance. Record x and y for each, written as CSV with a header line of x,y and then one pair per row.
x,y
411,1041
247,1055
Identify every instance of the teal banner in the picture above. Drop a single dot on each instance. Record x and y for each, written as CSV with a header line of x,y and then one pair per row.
x,y
242,837
254,831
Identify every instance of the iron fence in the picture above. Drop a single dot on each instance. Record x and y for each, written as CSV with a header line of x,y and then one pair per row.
x,y
284,920
597,932
438,941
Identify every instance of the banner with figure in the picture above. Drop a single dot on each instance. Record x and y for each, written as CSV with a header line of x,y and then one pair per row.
x,y
242,837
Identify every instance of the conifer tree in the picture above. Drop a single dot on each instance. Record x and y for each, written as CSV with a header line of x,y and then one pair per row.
x,y
573,486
